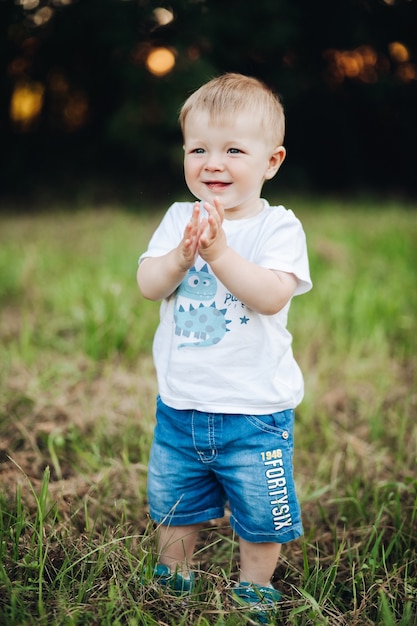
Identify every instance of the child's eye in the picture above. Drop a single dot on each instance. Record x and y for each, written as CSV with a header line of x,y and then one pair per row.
x,y
234,151
198,151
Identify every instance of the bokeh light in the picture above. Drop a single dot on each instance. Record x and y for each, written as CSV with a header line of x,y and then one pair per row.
x,y
69,104
366,65
26,103
42,16
28,4
160,61
76,110
399,52
163,16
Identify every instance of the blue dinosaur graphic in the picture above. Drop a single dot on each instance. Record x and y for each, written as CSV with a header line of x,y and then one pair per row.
x,y
198,285
206,323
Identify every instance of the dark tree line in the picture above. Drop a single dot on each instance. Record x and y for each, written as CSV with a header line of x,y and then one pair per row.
x,y
79,103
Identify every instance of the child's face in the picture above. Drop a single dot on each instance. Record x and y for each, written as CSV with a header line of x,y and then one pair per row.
x,y
229,160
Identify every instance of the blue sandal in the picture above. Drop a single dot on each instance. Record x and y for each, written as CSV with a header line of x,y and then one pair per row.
x,y
173,580
261,601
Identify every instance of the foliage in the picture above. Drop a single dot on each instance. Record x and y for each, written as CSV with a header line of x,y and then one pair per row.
x,y
77,391
346,70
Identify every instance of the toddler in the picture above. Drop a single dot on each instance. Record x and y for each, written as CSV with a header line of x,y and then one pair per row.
x,y
226,268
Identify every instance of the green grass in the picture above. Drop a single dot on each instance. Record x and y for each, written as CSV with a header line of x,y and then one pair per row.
x,y
77,390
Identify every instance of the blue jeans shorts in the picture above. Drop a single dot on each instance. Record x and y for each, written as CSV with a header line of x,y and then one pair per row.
x,y
201,461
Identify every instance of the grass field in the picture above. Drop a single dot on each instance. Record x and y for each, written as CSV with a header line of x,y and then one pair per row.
x,y
77,391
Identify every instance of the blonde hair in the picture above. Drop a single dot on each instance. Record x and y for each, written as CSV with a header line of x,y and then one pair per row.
x,y
227,95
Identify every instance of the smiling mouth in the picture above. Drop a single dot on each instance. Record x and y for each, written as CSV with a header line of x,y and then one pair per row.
x,y
216,184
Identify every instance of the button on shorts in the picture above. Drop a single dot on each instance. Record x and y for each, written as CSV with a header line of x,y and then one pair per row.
x,y
201,461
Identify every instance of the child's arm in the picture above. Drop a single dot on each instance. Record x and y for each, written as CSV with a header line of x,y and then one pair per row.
x,y
261,289
158,277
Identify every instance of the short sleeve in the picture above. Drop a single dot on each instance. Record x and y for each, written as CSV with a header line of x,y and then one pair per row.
x,y
284,247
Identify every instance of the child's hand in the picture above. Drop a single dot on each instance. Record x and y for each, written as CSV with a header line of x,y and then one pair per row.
x,y
189,244
212,239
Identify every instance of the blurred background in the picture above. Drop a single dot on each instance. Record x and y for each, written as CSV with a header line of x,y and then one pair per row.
x,y
90,92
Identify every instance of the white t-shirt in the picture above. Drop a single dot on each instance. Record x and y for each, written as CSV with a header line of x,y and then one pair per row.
x,y
211,352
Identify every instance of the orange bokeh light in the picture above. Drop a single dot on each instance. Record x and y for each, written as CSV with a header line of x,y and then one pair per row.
x,y
26,103
160,61
399,52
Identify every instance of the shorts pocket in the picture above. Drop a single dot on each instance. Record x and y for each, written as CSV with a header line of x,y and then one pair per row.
x,y
280,423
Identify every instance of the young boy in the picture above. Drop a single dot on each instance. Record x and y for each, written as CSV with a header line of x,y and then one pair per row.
x,y
226,268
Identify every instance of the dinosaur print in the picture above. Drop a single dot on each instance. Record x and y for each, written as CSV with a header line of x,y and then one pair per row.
x,y
205,323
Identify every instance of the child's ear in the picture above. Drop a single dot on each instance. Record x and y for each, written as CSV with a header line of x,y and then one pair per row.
x,y
275,161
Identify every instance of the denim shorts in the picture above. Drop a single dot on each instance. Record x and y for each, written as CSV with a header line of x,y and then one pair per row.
x,y
200,462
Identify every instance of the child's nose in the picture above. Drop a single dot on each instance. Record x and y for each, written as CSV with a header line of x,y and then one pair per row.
x,y
214,162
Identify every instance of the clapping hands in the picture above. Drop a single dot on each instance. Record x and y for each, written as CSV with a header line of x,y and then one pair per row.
x,y
204,235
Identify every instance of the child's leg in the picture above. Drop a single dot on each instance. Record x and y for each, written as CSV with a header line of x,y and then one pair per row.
x,y
258,561
176,546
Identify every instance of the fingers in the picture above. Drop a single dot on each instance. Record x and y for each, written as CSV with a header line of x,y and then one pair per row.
x,y
219,208
201,233
190,239
206,234
195,217
192,228
212,225
215,210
